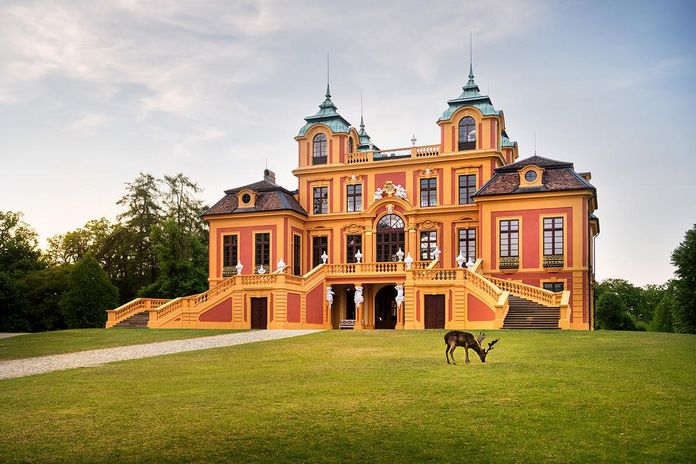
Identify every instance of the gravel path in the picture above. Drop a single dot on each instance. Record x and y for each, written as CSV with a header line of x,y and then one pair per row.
x,y
91,358
10,334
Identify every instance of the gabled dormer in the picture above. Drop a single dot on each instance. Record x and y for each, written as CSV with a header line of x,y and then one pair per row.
x,y
324,139
471,122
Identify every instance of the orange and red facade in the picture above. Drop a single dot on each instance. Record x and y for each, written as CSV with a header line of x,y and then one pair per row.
x,y
444,234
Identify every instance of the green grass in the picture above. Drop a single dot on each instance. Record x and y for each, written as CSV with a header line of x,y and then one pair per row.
x,y
379,396
68,341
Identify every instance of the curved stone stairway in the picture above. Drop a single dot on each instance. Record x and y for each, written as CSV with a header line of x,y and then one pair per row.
x,y
526,314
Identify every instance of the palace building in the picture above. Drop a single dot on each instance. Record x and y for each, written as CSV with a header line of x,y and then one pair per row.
x,y
460,234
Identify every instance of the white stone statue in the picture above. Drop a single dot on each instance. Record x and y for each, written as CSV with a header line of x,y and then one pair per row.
x,y
400,254
239,267
408,261
261,270
358,298
461,259
324,257
281,265
378,194
399,295
329,295
358,256
470,263
436,253
400,192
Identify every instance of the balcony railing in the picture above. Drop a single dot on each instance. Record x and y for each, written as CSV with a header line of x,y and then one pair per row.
x,y
509,262
553,261
395,153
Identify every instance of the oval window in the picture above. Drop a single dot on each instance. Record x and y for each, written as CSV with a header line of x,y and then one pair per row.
x,y
246,198
530,176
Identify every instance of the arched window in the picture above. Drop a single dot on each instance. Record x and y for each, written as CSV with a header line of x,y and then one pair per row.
x,y
350,145
467,133
390,237
319,152
390,221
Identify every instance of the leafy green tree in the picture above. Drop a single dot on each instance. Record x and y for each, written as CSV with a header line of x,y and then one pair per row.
x,y
143,210
72,246
612,313
684,259
181,203
631,296
182,261
45,289
90,294
662,318
19,255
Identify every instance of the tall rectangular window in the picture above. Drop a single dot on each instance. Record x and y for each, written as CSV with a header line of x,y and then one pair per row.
x,y
467,244
428,242
353,244
509,238
321,200
320,245
229,250
262,253
354,197
428,192
553,236
296,255
467,187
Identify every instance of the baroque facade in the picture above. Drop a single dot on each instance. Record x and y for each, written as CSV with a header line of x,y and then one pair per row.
x,y
460,234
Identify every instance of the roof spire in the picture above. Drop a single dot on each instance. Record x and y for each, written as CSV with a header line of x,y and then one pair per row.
x,y
471,62
328,91
362,123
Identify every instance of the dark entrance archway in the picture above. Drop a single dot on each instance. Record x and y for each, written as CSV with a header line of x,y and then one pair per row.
x,y
385,308
390,237
259,313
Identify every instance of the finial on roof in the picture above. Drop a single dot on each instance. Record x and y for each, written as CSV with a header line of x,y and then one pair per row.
x,y
471,62
362,123
328,91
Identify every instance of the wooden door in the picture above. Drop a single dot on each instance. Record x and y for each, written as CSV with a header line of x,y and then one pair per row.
x,y
434,311
259,313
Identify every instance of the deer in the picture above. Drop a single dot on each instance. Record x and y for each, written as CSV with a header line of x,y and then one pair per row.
x,y
455,338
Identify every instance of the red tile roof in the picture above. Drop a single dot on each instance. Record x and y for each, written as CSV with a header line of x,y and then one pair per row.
x,y
558,176
269,197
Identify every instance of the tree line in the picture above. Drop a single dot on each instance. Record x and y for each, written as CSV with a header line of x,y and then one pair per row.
x,y
670,307
156,248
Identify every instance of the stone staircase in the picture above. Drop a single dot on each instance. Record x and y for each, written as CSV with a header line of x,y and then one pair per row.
x,y
136,321
526,314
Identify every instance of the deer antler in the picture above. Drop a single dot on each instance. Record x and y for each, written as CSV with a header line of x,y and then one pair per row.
x,y
480,338
490,344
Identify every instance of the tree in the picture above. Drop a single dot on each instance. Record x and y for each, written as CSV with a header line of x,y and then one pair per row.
x,y
44,291
631,296
19,255
143,211
182,261
181,204
612,313
662,317
90,295
684,259
70,247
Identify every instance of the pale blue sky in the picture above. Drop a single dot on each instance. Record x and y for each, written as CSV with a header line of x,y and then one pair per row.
x,y
91,93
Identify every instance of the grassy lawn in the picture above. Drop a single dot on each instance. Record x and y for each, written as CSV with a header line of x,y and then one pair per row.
x,y
68,341
369,397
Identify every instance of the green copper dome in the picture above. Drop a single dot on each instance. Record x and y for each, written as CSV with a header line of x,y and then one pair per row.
x,y
328,116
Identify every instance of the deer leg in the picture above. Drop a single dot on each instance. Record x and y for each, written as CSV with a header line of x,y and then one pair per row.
x,y
466,350
447,353
452,354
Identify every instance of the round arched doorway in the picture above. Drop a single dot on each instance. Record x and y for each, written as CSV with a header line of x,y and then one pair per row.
x,y
385,308
390,237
